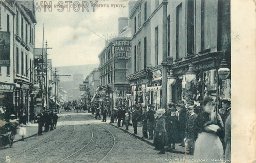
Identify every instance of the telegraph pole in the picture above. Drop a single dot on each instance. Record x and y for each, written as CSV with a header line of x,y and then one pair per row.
x,y
164,62
56,84
46,84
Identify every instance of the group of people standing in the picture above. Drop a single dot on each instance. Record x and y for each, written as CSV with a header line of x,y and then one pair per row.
x,y
46,121
204,130
101,110
207,130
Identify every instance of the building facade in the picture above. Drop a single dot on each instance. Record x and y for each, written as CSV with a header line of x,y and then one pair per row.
x,y
146,22
93,81
17,22
200,42
198,39
113,67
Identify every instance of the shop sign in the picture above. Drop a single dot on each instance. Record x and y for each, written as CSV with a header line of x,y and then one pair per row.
x,y
205,66
6,87
122,43
121,48
156,88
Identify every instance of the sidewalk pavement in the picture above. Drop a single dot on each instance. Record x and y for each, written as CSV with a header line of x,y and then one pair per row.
x,y
31,131
139,135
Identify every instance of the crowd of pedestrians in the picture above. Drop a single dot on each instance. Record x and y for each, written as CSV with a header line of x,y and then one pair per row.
x,y
203,130
47,121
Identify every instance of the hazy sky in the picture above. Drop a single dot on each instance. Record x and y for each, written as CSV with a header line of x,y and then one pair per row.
x,y
72,34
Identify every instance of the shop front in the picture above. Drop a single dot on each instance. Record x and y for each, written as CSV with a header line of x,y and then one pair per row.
x,y
23,99
199,77
6,98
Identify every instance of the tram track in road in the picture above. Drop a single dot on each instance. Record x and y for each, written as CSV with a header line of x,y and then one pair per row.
x,y
77,151
59,151
35,145
114,143
57,143
94,149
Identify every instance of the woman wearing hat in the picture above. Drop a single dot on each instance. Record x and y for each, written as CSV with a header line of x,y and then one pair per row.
x,y
208,126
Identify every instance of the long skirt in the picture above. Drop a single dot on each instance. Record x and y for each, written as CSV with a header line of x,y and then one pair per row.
x,y
22,131
208,148
228,152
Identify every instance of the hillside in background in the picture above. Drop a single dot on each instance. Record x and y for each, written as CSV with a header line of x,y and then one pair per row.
x,y
72,70
71,84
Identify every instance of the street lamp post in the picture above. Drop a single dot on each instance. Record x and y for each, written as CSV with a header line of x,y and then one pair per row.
x,y
164,63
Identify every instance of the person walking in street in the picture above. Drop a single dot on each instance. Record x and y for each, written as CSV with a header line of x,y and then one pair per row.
x,y
123,115
55,120
46,121
171,127
135,119
97,115
127,120
190,129
151,121
51,121
119,117
144,123
104,115
40,122
182,123
208,127
160,131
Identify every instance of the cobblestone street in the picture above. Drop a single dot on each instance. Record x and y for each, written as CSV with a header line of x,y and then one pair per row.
x,y
80,138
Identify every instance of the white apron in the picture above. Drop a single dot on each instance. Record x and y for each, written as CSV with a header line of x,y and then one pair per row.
x,y
208,148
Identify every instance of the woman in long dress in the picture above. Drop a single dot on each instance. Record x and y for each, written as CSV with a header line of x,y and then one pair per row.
x,y
208,128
